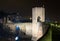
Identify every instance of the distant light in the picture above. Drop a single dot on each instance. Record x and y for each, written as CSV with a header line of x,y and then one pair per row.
x,y
30,18
56,25
16,38
52,24
17,28
56,22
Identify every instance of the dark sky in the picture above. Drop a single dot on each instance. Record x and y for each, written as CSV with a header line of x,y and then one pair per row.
x,y
24,7
53,9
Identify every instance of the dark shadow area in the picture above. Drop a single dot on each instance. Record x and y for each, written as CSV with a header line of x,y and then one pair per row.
x,y
55,34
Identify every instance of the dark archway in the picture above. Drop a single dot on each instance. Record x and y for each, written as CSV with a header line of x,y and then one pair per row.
x,y
38,19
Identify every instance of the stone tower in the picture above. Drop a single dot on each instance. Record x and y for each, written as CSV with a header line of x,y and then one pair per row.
x,y
37,12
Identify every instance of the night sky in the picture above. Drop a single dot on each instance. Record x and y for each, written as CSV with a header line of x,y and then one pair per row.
x,y
21,6
24,7
53,9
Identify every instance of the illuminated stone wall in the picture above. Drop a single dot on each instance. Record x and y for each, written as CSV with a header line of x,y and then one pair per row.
x,y
38,11
24,27
34,28
37,31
